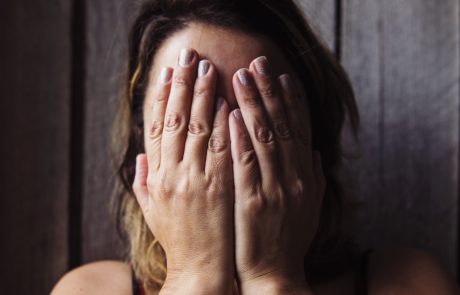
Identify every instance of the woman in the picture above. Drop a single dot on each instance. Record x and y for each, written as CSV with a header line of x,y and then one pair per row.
x,y
230,172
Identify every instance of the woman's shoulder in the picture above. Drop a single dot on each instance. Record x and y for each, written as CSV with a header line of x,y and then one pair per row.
x,y
101,277
408,271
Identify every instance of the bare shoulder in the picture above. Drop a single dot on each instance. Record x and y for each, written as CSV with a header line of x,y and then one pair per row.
x,y
102,277
408,271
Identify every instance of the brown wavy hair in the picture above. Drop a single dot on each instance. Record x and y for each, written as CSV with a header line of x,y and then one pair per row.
x,y
330,99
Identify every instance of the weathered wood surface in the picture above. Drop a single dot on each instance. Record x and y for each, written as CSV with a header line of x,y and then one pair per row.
x,y
35,77
322,17
403,58
106,44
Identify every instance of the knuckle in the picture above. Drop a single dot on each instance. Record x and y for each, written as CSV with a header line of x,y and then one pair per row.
x,y
282,129
247,157
251,100
217,144
173,122
200,92
162,95
268,91
156,128
183,188
264,135
215,187
181,81
195,127
162,185
254,205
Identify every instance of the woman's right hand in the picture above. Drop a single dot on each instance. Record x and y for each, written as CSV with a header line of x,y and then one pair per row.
x,y
184,182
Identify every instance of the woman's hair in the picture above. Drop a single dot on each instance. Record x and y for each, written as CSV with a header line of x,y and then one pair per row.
x,y
329,93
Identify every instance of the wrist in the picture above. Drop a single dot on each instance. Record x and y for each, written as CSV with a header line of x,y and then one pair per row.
x,y
208,283
275,284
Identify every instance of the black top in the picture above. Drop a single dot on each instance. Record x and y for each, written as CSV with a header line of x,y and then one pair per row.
x,y
361,282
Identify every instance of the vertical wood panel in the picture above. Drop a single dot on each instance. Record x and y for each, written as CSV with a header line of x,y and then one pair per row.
x,y
321,16
35,85
403,57
106,29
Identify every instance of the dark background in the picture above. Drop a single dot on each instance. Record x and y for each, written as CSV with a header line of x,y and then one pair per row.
x,y
60,64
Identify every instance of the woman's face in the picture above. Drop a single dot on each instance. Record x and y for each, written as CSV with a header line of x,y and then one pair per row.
x,y
228,50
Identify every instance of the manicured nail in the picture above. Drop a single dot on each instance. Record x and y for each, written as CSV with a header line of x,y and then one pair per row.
x,y
286,83
261,64
203,68
165,75
185,57
237,114
219,103
244,77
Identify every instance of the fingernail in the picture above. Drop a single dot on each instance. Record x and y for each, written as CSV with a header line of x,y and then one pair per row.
x,y
185,57
219,104
203,68
285,82
237,114
165,75
261,65
244,77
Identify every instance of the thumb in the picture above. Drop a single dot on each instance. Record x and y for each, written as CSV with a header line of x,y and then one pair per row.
x,y
140,182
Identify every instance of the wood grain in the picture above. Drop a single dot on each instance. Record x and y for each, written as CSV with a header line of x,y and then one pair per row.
x,y
106,38
35,81
403,58
322,17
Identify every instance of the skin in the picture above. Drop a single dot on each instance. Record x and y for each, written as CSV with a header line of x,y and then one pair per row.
x,y
217,174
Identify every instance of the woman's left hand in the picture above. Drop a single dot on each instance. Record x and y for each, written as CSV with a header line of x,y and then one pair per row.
x,y
279,183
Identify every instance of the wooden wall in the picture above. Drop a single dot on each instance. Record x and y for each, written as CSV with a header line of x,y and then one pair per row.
x,y
58,79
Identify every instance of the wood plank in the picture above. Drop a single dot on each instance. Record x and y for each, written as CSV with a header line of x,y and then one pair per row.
x,y
35,81
106,35
403,58
321,16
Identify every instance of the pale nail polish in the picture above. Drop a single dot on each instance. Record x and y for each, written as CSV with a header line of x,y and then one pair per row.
x,y
286,83
261,65
244,77
237,114
185,57
165,75
203,68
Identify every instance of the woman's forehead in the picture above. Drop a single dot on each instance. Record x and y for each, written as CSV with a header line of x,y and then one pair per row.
x,y
228,50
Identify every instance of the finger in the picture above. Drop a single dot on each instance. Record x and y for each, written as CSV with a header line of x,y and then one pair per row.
x,y
201,116
178,109
257,124
218,158
155,125
246,171
271,95
299,120
140,182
